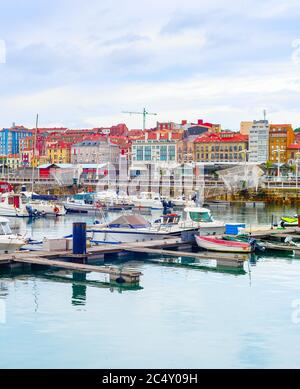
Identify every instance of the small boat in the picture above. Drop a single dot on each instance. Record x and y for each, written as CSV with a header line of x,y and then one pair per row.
x,y
216,244
42,206
135,228
9,242
289,221
12,204
81,203
257,245
147,200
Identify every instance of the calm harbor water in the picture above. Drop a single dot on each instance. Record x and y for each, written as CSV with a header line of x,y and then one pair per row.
x,y
179,318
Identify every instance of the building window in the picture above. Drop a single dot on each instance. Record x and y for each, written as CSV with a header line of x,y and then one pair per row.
x,y
172,153
148,154
140,153
164,153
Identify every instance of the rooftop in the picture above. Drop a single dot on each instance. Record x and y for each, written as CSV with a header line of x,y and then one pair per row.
x,y
222,137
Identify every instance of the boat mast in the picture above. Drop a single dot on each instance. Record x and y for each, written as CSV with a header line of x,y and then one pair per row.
x,y
33,154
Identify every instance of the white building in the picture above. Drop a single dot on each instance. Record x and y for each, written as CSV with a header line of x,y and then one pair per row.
x,y
259,141
91,151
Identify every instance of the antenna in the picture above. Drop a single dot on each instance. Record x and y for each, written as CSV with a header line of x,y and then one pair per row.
x,y
33,153
265,114
145,113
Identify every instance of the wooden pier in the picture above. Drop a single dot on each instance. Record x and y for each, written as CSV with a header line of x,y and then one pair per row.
x,y
81,263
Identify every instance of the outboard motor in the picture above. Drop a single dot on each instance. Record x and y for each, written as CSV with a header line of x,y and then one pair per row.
x,y
256,246
32,211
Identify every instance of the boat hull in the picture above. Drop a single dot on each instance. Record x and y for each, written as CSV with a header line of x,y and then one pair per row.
x,y
10,244
13,212
223,246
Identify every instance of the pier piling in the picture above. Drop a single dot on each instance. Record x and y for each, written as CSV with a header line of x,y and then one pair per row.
x,y
79,238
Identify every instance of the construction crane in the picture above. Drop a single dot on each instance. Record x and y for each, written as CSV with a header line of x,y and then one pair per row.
x,y
145,113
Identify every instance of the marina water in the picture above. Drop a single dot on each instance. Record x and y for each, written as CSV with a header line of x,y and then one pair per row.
x,y
180,317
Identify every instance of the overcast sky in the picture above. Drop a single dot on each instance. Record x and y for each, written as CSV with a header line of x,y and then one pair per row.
x,y
81,63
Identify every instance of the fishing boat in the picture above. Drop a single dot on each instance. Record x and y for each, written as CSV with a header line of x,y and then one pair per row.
x,y
215,244
9,242
135,228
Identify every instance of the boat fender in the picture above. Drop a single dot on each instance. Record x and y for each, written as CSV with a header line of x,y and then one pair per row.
x,y
56,210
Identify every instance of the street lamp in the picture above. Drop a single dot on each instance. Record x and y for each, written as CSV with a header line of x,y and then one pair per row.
x,y
297,167
278,151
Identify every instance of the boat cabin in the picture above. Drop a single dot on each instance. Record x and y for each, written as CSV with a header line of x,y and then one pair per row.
x,y
84,198
197,215
12,199
129,221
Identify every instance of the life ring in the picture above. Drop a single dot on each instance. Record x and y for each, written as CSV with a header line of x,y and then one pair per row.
x,y
98,204
56,210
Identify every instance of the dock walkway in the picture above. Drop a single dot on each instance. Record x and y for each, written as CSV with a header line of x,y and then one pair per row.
x,y
167,247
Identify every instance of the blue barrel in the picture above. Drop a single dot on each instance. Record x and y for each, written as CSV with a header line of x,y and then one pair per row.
x,y
79,238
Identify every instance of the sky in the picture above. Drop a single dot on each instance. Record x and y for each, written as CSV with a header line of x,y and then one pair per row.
x,y
80,64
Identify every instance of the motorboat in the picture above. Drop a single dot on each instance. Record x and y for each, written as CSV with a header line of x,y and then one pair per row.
x,y
41,206
212,243
81,203
147,200
135,228
181,201
201,219
9,242
14,205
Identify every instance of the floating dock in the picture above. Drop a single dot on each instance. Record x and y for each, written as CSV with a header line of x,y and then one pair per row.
x,y
65,259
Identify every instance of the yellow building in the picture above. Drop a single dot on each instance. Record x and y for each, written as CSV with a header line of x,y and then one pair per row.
x,y
224,147
281,136
245,127
13,161
59,153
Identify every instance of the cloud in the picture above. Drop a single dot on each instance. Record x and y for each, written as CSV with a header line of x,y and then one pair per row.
x,y
83,64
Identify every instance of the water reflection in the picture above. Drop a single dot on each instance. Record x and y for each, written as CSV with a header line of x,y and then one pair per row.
x,y
79,289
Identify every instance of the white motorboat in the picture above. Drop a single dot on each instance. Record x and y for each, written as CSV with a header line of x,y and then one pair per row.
x,y
147,200
181,201
43,207
9,242
81,203
12,204
134,228
48,208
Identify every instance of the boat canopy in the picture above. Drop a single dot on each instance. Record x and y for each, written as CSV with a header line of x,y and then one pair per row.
x,y
129,221
197,214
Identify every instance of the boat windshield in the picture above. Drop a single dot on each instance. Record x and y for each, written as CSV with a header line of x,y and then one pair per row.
x,y
201,217
5,229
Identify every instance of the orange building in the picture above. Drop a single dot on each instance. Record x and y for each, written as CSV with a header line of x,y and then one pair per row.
x,y
281,136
